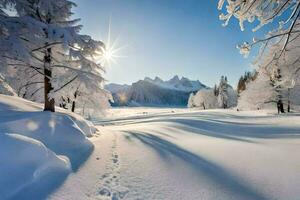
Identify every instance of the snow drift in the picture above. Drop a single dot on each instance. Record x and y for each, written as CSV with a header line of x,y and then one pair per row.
x,y
24,161
46,144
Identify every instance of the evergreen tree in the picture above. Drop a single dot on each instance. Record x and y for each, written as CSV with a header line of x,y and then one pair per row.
x,y
241,85
275,81
48,52
245,79
223,95
216,91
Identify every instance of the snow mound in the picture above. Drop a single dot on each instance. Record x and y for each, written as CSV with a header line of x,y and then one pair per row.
x,y
48,145
9,103
56,131
25,161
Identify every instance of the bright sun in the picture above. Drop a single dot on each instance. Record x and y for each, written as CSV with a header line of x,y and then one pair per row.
x,y
110,53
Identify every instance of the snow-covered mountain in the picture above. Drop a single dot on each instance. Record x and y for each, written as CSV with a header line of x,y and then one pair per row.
x,y
154,92
113,87
183,84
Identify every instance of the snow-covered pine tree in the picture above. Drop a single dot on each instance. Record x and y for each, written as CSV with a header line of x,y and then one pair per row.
x,y
246,78
241,84
216,91
223,95
43,44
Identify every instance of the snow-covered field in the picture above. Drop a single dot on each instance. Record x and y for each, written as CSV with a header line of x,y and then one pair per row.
x,y
148,153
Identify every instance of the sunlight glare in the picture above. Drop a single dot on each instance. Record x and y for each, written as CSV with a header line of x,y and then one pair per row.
x,y
110,53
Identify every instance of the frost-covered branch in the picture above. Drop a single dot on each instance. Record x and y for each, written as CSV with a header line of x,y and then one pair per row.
x,y
43,41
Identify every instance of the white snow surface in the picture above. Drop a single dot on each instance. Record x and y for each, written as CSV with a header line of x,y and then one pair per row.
x,y
38,149
170,154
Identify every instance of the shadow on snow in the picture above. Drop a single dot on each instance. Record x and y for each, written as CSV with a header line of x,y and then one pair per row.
x,y
214,172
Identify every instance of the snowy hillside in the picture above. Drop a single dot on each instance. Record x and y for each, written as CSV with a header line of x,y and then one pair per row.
x,y
38,149
155,92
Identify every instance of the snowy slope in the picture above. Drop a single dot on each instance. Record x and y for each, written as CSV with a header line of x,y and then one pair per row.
x,y
156,92
183,154
38,149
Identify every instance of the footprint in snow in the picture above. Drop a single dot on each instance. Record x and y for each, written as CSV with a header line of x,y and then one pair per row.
x,y
111,189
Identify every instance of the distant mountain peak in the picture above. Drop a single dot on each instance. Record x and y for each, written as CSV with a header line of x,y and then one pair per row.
x,y
155,91
157,79
175,83
148,79
174,79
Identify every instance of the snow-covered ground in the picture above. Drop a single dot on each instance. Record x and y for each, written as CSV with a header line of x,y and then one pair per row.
x,y
147,153
190,154
38,149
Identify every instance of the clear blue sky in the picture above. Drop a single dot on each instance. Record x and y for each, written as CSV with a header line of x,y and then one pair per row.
x,y
167,37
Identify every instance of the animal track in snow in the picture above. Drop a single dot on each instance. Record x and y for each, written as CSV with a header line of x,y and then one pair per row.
x,y
110,188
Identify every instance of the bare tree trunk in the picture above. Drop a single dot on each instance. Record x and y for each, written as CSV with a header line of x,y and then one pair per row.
x,y
49,104
281,108
289,102
203,105
74,102
73,106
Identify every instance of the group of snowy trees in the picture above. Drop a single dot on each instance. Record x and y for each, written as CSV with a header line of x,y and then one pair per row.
x,y
245,79
45,58
276,80
221,96
278,63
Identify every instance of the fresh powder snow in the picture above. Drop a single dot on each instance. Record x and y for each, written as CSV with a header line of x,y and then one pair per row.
x,y
160,153
38,149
